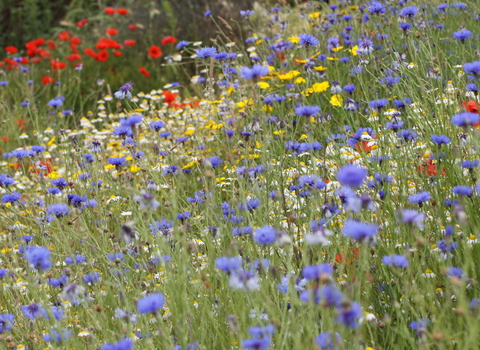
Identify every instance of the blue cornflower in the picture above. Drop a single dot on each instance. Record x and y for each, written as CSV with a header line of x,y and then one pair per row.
x,y
20,153
329,341
411,216
351,175
255,72
462,35
472,67
117,161
405,26
308,40
463,190
465,119
249,205
57,282
182,44
32,310
396,260
315,272
409,11
56,311
125,344
350,88
115,256
56,336
60,182
206,52
377,8
11,197
228,264
246,13
360,231
265,235
124,91
123,131
208,13
260,332
92,277
440,140
146,200
150,304
466,164
472,87
213,161
378,104
419,198
56,102
256,344
349,313
58,209
39,257
307,111
6,322
420,326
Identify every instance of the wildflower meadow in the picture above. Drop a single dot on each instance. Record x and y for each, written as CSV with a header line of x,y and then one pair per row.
x,y
308,178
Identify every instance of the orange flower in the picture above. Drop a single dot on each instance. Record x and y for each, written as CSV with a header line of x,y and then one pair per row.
x,y
81,23
109,10
169,40
122,11
129,42
48,80
11,49
112,31
132,27
102,56
155,52
144,71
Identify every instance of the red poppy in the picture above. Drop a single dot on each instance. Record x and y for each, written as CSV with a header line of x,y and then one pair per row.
x,y
102,56
51,44
144,71
73,57
82,22
107,43
109,10
122,11
24,60
112,31
43,53
471,106
89,52
169,97
429,168
5,138
11,49
132,27
117,53
169,40
48,80
75,40
42,167
36,60
129,42
64,36
155,52
57,65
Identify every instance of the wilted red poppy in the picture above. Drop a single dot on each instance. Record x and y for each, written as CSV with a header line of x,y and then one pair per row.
x,y
11,49
109,10
132,26
73,57
64,36
89,52
75,40
122,11
117,53
112,31
169,40
129,42
48,80
145,72
57,65
155,51
102,56
82,22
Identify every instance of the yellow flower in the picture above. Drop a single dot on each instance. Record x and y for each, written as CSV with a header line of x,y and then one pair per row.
x,y
244,103
336,49
300,80
354,50
289,76
294,39
315,15
336,100
263,85
320,87
320,68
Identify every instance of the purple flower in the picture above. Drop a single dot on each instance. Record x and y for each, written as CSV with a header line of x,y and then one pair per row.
x,y
408,12
360,231
308,40
58,209
349,313
6,322
440,140
260,332
463,190
314,272
256,344
419,198
307,111
206,52
377,8
265,235
11,197
396,260
56,337
465,119
329,341
228,264
351,175
150,304
472,67
125,344
420,326
146,200
6,180
378,104
462,35
255,72
411,216
39,257
213,161
117,161
124,91
32,310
